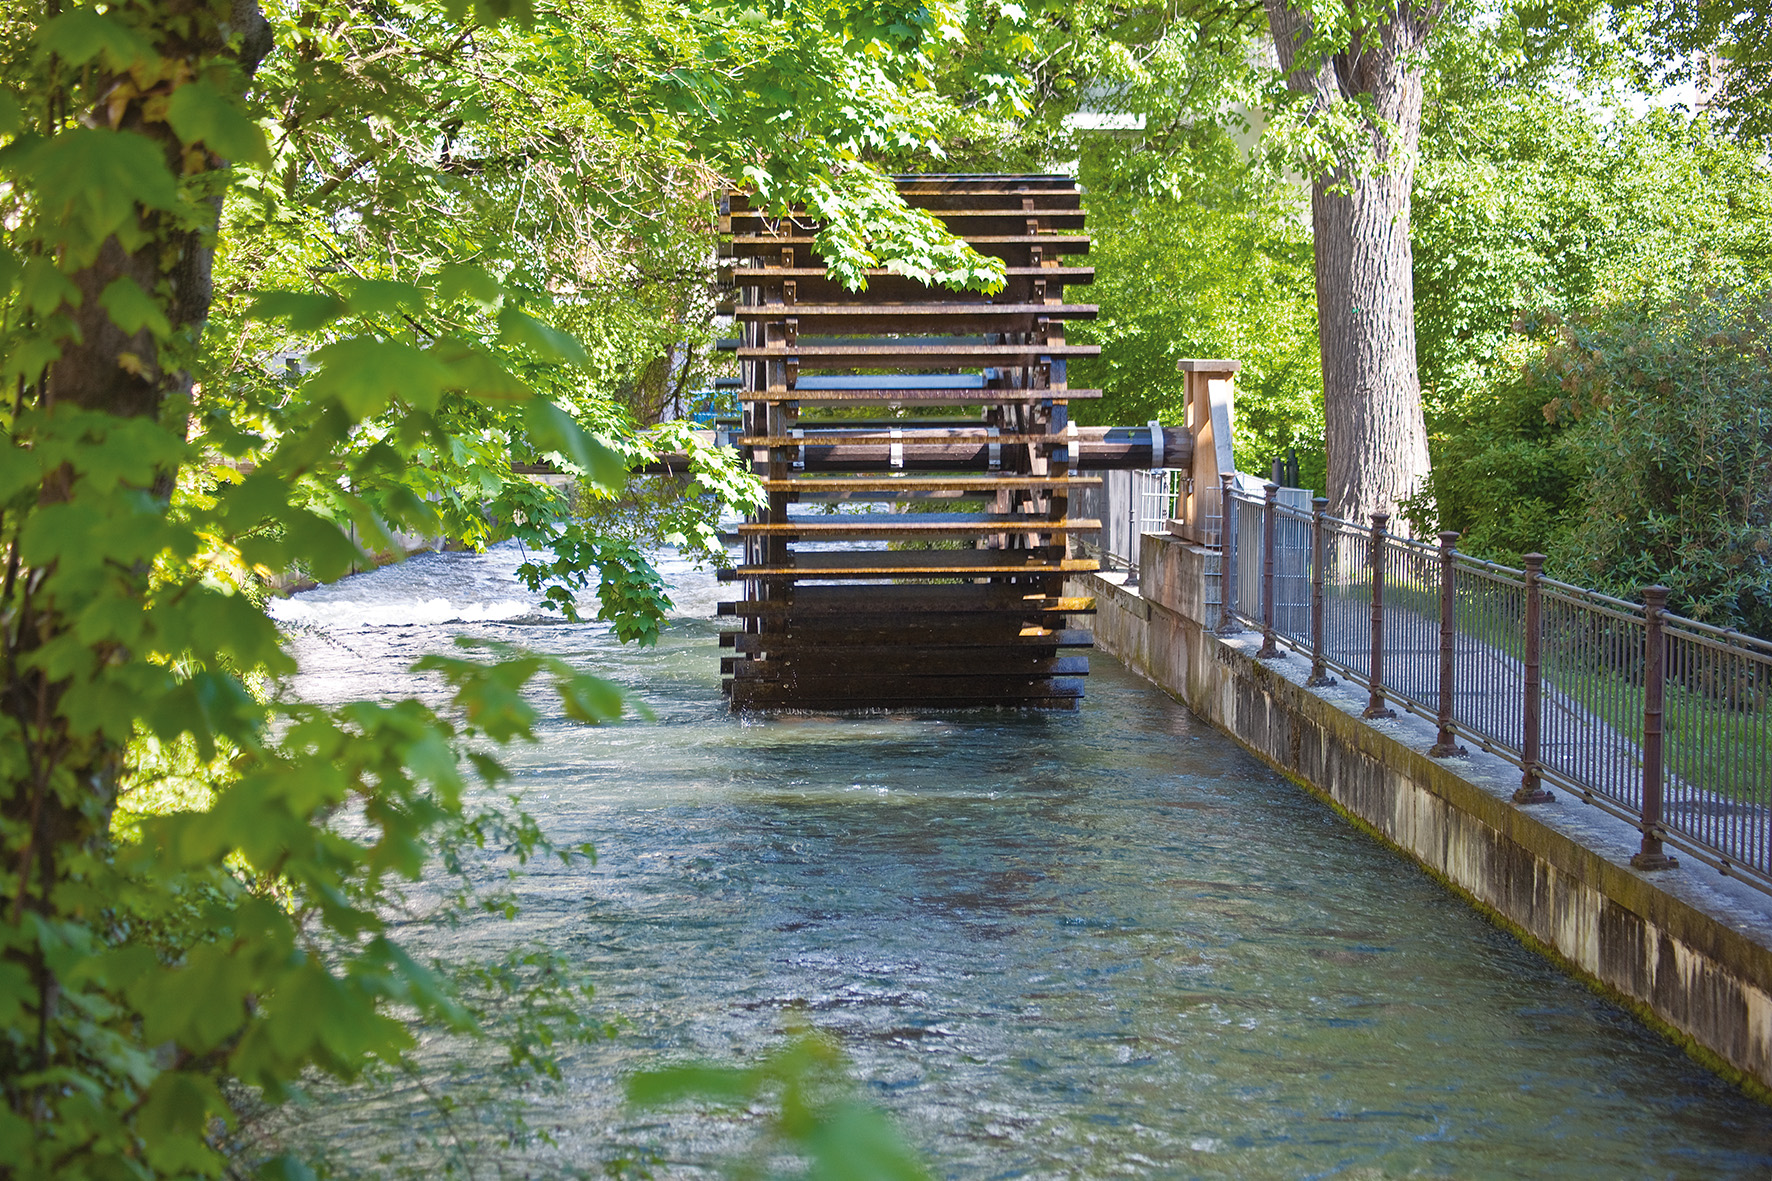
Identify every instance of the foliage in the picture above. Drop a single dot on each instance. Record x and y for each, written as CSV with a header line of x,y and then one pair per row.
x,y
1223,272
1722,48
1673,413
419,211
815,1119
1530,211
1200,243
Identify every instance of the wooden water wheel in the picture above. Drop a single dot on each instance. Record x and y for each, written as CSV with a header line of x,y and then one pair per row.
x,y
934,425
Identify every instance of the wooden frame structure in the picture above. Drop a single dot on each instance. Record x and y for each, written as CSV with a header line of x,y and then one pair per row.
x,y
947,591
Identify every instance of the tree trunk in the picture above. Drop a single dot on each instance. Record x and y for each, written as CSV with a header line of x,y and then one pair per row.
x,y
1375,433
103,368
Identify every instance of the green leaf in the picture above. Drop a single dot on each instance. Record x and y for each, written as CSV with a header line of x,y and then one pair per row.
x,y
365,374
405,509
710,1084
384,297
305,311
476,374
12,115
552,429
91,179
45,288
287,1167
132,309
517,327
491,12
589,699
201,113
856,1142
321,545
461,281
79,35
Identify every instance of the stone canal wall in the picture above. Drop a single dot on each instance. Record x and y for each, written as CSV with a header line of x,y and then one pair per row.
x,y
1689,950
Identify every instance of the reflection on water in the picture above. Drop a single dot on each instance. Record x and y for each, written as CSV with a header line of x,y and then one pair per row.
x,y
1088,945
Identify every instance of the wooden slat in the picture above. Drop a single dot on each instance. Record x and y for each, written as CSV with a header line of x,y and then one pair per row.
x,y
917,356
927,483
897,312
751,275
905,661
1014,249
903,614
966,319
896,526
925,436
772,699
1077,243
890,565
959,635
904,693
908,397
996,218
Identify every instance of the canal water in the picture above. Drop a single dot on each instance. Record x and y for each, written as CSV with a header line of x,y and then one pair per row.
x,y
1103,944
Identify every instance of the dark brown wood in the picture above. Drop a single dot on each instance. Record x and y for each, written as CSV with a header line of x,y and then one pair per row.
x,y
859,689
905,355
893,396
981,624
837,320
928,483
998,220
904,662
905,526
957,636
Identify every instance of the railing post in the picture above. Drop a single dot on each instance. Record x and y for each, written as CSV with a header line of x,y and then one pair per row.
x,y
1531,791
1227,558
1651,856
1375,706
1269,650
1446,743
1319,677
1134,542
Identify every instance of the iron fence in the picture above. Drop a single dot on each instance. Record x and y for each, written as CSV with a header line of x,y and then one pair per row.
x,y
1662,720
1129,504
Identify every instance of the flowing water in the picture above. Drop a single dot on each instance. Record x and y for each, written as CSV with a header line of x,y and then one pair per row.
x,y
1092,945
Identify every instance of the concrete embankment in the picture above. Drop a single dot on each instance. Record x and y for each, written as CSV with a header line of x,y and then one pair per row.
x,y
1687,949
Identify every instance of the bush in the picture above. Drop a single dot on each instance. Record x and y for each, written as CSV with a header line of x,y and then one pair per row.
x,y
1671,423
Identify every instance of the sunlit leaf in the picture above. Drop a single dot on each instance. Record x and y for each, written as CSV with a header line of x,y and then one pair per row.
x,y
93,178
201,113
551,429
462,281
384,297
133,309
305,311
81,34
365,374
517,327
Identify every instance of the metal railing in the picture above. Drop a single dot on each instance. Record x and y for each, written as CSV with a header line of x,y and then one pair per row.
x,y
1129,504
1664,721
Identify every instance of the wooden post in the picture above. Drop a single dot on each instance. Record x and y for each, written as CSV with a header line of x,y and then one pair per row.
x,y
1210,394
